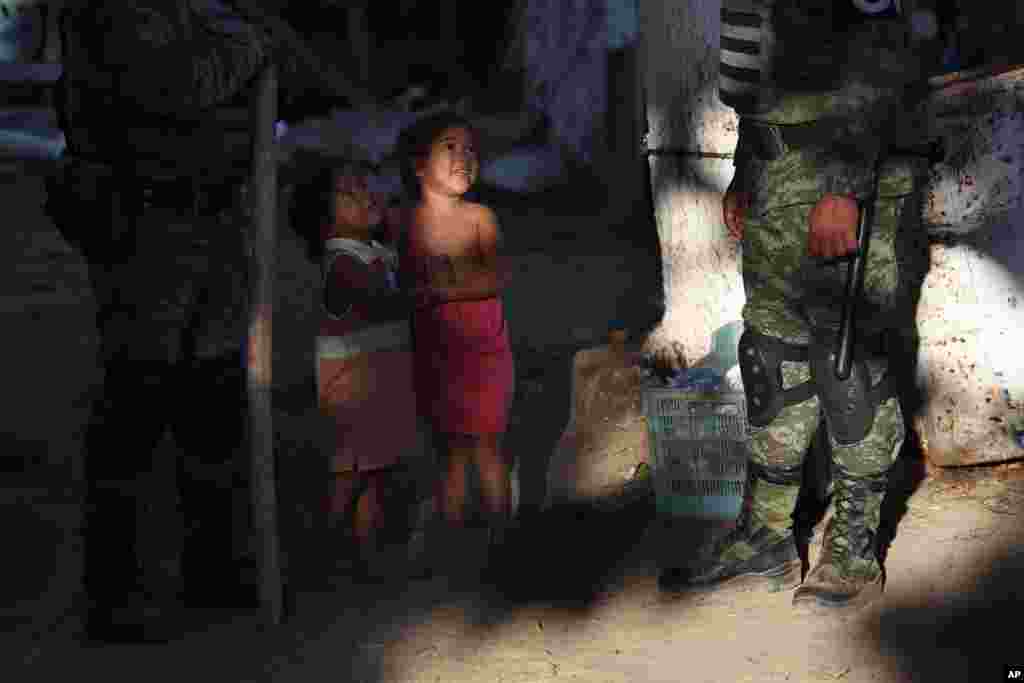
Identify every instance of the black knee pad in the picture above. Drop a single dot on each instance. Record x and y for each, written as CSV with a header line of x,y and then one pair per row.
x,y
761,359
850,405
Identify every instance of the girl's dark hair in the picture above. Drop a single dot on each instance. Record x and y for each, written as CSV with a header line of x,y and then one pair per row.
x,y
415,140
312,201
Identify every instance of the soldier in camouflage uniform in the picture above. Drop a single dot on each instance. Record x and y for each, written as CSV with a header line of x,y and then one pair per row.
x,y
816,115
151,195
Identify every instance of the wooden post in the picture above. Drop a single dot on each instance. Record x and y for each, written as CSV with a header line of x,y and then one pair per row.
x,y
263,197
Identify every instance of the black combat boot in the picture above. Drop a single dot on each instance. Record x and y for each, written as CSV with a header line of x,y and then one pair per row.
x,y
760,548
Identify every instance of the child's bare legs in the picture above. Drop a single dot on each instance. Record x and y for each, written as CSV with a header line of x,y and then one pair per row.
x,y
339,499
364,518
369,513
451,496
485,451
495,486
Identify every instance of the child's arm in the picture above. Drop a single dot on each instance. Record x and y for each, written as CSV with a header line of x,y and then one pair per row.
x,y
492,272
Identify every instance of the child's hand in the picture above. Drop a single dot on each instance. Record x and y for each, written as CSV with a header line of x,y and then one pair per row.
x,y
442,270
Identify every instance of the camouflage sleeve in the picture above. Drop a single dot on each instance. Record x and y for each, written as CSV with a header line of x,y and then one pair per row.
x,y
178,58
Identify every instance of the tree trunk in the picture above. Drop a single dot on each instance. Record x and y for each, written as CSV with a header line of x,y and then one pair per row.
x,y
690,140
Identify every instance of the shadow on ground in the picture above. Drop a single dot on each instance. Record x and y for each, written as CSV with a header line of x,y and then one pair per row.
x,y
967,635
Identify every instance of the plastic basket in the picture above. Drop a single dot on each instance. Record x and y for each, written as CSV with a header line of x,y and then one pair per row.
x,y
698,451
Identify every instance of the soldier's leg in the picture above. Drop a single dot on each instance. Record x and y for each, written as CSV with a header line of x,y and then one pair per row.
x,y
762,545
141,341
848,572
209,425
127,424
865,432
211,419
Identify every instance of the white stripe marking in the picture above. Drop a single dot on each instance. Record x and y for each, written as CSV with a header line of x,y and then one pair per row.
x,y
734,87
387,337
745,6
750,34
741,60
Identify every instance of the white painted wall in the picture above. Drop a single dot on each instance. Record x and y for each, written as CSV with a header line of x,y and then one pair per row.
x,y
688,123
971,313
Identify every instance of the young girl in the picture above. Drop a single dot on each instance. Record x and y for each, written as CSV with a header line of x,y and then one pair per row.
x,y
463,358
364,367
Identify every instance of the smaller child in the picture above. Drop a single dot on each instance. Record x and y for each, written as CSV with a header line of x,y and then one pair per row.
x,y
364,366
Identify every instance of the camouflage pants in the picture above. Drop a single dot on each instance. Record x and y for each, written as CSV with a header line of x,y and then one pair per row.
x,y
783,444
790,293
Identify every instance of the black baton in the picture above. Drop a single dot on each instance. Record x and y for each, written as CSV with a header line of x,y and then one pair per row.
x,y
855,278
934,151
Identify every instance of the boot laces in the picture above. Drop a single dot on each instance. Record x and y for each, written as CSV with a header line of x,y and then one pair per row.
x,y
851,537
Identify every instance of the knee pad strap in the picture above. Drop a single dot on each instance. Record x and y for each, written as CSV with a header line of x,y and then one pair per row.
x,y
761,359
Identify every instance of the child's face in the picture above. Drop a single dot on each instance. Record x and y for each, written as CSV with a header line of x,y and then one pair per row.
x,y
451,165
354,205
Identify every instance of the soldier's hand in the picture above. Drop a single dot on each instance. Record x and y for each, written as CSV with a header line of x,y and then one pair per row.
x,y
734,212
833,227
666,353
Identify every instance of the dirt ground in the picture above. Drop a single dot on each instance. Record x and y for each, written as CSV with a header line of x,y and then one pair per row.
x,y
578,599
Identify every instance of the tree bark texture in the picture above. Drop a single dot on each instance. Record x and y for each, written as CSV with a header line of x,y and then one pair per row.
x,y
690,140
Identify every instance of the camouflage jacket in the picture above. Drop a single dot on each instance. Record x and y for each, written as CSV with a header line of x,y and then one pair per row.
x,y
853,84
798,62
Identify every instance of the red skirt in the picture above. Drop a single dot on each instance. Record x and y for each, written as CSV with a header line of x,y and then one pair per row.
x,y
370,406
463,366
